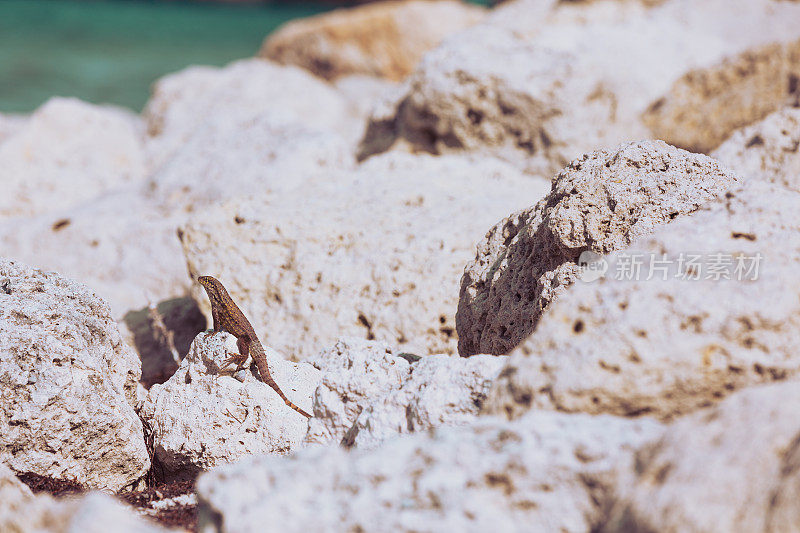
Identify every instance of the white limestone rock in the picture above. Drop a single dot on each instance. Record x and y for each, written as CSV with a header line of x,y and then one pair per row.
x,y
439,390
121,244
665,343
244,153
545,472
69,383
10,124
203,417
732,468
539,89
94,512
599,203
205,97
768,150
384,39
375,253
370,392
353,373
67,152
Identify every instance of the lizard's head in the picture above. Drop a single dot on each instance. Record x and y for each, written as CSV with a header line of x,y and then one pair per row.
x,y
209,283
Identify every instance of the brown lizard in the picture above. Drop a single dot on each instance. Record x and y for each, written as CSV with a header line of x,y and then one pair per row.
x,y
228,317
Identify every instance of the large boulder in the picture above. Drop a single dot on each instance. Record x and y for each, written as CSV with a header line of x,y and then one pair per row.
x,y
732,468
375,253
246,153
542,93
545,472
203,416
705,306
384,39
69,392
122,244
768,150
600,202
67,152
199,98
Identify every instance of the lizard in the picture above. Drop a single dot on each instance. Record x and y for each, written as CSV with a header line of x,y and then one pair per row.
x,y
229,318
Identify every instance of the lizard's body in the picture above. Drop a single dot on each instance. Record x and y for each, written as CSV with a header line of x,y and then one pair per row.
x,y
228,317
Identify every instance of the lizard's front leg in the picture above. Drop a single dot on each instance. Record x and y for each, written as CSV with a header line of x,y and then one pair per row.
x,y
239,359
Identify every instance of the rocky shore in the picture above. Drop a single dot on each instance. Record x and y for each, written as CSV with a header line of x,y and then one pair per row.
x,y
531,268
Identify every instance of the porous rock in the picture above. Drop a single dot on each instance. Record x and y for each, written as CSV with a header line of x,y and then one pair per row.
x,y
204,417
69,383
67,152
353,373
209,97
370,392
122,244
94,512
539,89
384,39
714,307
440,390
747,444
599,203
375,253
545,472
243,153
768,150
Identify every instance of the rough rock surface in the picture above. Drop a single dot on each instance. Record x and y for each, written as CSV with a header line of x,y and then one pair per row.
x,y
121,245
67,152
540,94
205,97
670,341
68,383
384,39
768,150
545,472
10,124
599,203
370,392
245,153
21,511
204,417
376,253
747,444
440,390
706,105
354,372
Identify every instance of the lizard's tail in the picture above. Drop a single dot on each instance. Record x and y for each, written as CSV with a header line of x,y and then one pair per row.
x,y
267,378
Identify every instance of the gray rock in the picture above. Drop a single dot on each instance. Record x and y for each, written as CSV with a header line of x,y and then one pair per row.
x,y
599,203
69,386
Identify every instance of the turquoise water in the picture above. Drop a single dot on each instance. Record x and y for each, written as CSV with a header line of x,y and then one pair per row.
x,y
111,51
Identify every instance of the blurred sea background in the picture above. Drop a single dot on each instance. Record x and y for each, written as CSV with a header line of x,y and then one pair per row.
x,y
111,51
